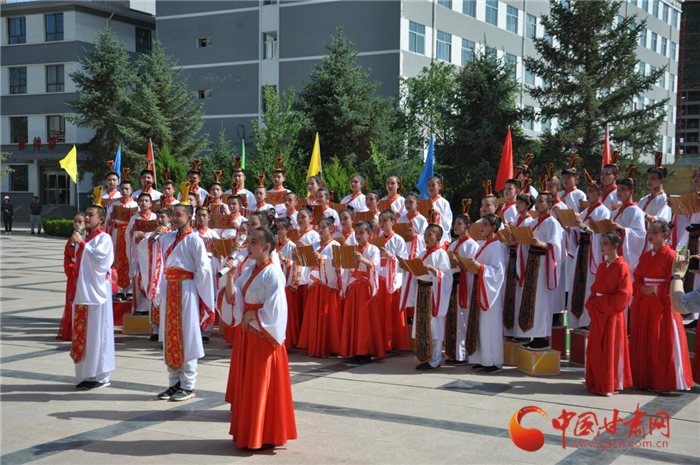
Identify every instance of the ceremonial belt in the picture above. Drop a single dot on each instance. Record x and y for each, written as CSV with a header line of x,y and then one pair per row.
x,y
451,319
79,340
174,346
423,315
121,261
473,319
580,284
584,239
425,283
693,229
526,318
511,286
121,225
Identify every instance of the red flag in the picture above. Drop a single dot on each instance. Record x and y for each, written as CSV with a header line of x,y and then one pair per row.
x,y
606,147
151,161
505,170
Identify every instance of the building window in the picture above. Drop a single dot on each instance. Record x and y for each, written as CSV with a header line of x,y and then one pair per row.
x,y
643,38
665,13
662,81
18,80
633,2
645,5
654,40
512,61
546,124
664,46
672,82
492,12
270,2
444,46
16,30
529,123
642,68
56,126
204,42
512,19
416,38
469,8
640,103
205,93
529,77
19,178
531,27
468,48
270,45
676,15
669,145
143,40
673,51
53,25
655,10
660,144
19,129
55,79
670,113
491,53
445,3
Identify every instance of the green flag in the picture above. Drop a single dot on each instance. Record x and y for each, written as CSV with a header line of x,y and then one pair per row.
x,y
242,154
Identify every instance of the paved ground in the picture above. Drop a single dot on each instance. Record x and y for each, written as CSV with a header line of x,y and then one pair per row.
x,y
384,412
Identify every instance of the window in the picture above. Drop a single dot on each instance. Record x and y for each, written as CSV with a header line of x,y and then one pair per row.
x,y
512,19
467,51
676,15
18,80
665,13
673,51
529,123
640,104
53,24
662,81
492,12
654,40
672,82
55,79
531,27
270,45
643,38
204,42
645,5
669,145
56,126
18,129
512,61
670,113
529,77
143,40
655,10
548,38
634,2
469,8
19,178
660,144
546,125
642,68
205,93
445,3
491,53
16,30
416,38
664,46
444,46
270,2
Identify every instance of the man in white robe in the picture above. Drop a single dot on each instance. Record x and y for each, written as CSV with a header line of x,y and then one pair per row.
x,y
628,221
140,304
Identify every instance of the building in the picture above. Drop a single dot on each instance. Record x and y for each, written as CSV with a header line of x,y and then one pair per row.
x,y
231,49
41,43
689,125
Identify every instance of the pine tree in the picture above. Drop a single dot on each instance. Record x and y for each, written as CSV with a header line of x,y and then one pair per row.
x,y
105,77
222,157
588,60
341,105
178,171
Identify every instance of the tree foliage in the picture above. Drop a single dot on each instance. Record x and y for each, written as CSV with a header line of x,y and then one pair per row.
x,y
222,157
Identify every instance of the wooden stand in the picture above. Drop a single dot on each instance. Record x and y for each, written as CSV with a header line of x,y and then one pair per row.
x,y
511,349
558,340
136,324
579,344
539,362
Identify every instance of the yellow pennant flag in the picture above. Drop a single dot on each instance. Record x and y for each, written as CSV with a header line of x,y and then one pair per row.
x,y
70,164
315,164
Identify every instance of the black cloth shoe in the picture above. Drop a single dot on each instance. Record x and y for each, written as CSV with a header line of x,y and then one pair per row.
x,y
182,395
478,366
168,393
492,369
456,363
538,343
153,338
95,385
356,360
427,367
83,386
205,339
365,359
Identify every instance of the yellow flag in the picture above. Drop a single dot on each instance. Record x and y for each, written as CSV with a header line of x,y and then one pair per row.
x,y
315,164
70,164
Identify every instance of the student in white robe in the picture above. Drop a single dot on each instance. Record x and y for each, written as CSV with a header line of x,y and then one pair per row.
x,y
307,236
539,275
564,260
195,178
260,194
356,199
323,198
168,187
608,177
287,250
120,242
188,302
313,184
208,235
290,209
140,304
215,198
587,255
234,206
507,211
112,193
654,205
442,206
456,318
147,179
572,195
278,191
431,302
396,202
92,348
347,230
238,185
628,221
484,338
415,244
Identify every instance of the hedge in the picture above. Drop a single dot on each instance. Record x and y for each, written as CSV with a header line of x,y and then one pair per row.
x,y
58,227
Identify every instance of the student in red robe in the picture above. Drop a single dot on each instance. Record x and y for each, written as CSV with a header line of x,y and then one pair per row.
x,y
658,345
65,330
607,354
286,250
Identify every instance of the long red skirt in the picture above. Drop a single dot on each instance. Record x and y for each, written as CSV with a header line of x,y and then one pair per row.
x,y
696,360
393,319
237,336
262,411
607,354
65,330
302,297
321,329
362,329
293,320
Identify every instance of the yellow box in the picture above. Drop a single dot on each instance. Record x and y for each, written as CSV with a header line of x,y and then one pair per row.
x,y
136,324
539,362
511,349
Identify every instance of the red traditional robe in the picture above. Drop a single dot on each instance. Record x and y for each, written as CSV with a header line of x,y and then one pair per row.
x,y
607,355
65,329
658,345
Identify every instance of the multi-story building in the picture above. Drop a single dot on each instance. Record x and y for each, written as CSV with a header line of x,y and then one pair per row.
x,y
231,49
41,43
689,128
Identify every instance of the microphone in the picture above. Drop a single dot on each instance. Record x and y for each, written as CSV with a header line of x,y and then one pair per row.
x,y
234,256
155,237
80,230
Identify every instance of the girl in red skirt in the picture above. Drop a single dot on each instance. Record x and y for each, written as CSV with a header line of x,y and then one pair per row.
x,y
362,332
65,330
320,332
286,250
307,236
227,308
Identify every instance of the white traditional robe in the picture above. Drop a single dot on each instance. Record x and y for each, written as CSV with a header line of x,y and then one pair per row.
x,y
372,254
440,294
465,249
331,213
247,196
140,303
443,207
549,231
398,205
493,257
356,201
572,198
389,269
657,207
94,289
510,213
349,240
292,218
280,209
201,193
326,273
418,222
155,195
109,198
565,261
610,197
112,230
310,237
521,253
258,207
631,218
413,249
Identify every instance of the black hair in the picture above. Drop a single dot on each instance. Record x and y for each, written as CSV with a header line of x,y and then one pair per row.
x,y
615,169
234,197
188,208
194,172
328,219
364,224
166,183
285,222
296,196
613,237
101,212
515,182
662,173
595,186
436,227
350,211
555,182
212,185
437,178
492,220
268,237
464,219
664,226
399,181
413,195
309,211
390,213
571,171
163,211
376,194
266,217
548,196
527,198
112,173
144,194
628,183
147,171
363,180
325,191
524,169
125,182
315,178
204,209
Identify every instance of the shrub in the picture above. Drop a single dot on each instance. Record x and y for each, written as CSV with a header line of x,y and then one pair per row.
x,y
58,227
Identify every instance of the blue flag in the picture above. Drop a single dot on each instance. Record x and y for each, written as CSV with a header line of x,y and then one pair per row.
x,y
427,172
118,163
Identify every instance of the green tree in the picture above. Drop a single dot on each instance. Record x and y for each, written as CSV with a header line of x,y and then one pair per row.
x,y
104,80
178,170
222,157
7,169
591,80
340,104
